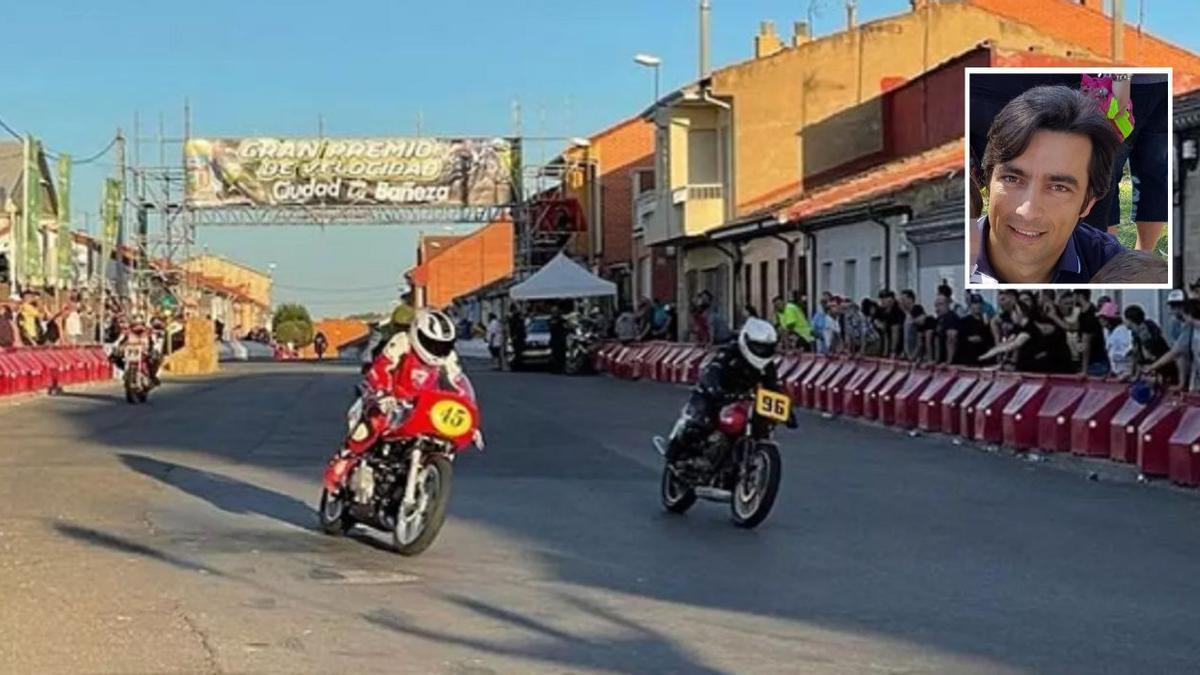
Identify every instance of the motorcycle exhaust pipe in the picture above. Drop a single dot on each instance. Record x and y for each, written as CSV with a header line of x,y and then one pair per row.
x,y
713,494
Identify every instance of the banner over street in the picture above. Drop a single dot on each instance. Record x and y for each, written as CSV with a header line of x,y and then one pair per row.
x,y
224,172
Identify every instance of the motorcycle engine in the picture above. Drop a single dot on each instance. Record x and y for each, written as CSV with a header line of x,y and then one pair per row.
x,y
716,446
362,483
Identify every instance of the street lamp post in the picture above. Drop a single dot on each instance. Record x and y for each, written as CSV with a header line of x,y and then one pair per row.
x,y
650,62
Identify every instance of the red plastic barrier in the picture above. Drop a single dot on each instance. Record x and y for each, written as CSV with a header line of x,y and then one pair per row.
x,y
807,384
950,409
662,360
1019,421
1054,417
642,366
966,422
1123,430
9,374
857,405
989,411
1155,433
1183,450
829,388
787,363
794,382
908,396
878,403
1090,421
929,403
848,401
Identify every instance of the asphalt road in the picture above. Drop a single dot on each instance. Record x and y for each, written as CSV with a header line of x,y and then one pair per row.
x,y
180,537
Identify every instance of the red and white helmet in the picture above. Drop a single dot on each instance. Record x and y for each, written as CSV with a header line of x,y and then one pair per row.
x,y
432,336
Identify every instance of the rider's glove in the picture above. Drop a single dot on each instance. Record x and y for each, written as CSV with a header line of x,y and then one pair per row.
x,y
478,439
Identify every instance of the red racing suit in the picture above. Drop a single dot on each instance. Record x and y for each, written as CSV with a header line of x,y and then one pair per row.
x,y
402,382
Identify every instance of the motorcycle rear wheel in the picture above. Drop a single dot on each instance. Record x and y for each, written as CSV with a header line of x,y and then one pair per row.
x,y
675,497
416,531
334,515
756,489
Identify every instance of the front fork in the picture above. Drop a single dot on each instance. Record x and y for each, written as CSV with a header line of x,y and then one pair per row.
x,y
410,485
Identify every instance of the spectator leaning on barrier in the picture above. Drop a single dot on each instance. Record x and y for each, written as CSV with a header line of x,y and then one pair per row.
x,y
945,339
1118,341
1186,349
1093,355
1149,344
819,321
908,300
890,322
1040,345
793,327
8,329
925,328
626,325
1176,321
974,334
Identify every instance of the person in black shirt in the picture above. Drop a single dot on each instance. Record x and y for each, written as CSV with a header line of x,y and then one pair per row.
x,y
974,335
1040,345
945,340
516,335
1094,355
924,326
890,321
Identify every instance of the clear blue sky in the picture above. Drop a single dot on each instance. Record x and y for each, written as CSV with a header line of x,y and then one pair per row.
x,y
77,70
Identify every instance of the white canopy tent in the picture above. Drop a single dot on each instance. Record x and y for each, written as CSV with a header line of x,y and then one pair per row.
x,y
562,278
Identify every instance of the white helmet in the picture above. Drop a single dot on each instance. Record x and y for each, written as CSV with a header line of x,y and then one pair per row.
x,y
432,336
757,341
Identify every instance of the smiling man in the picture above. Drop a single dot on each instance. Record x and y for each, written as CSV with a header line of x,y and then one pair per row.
x,y
1049,159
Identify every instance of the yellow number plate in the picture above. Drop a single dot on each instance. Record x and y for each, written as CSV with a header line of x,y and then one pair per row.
x,y
451,418
773,405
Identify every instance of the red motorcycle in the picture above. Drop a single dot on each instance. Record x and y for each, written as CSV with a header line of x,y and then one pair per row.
x,y
738,463
401,483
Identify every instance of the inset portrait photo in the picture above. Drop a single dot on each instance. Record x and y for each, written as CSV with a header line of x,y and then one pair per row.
x,y
1068,178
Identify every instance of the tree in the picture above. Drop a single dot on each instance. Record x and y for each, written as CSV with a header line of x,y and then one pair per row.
x,y
293,324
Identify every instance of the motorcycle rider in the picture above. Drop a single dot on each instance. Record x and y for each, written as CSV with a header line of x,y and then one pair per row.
x,y
736,370
409,363
137,333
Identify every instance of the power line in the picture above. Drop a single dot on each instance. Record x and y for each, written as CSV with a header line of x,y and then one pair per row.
x,y
55,153
11,130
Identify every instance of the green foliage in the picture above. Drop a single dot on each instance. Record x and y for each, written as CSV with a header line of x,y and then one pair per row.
x,y
298,333
1126,230
289,312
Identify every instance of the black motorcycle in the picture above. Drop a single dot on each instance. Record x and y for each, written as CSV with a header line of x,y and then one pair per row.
x,y
738,462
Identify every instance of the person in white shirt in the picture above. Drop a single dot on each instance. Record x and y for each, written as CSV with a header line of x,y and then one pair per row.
x,y
73,325
495,337
1118,340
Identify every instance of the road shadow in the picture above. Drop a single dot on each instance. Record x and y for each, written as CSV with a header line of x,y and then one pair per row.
x,y
123,545
634,648
227,494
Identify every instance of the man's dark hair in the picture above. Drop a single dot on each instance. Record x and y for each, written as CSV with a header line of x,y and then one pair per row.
x,y
910,294
1083,293
1056,108
918,311
1008,291
945,290
1136,314
778,298
887,293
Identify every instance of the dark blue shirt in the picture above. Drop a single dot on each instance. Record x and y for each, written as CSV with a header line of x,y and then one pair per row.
x,y
1086,252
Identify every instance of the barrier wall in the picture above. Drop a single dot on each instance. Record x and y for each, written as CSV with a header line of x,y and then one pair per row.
x,y
1087,416
29,370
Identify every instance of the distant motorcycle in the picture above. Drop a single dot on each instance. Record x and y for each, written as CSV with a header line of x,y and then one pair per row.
x,y
738,463
402,483
581,346
138,382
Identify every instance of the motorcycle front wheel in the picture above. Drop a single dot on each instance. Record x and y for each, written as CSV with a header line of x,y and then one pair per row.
x,y
757,486
417,527
333,515
676,497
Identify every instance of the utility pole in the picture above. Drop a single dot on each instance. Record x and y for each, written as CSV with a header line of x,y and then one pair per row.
x,y
1118,31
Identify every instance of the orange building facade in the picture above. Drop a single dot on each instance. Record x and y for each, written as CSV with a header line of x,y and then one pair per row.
x,y
472,262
